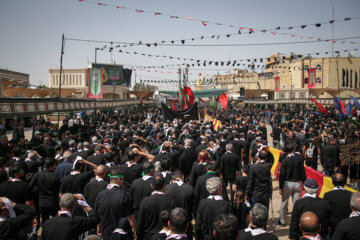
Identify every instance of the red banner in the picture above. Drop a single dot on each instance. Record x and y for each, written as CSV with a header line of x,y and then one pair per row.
x,y
311,77
277,84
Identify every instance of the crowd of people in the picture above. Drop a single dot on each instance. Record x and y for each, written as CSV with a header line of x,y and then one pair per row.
x,y
137,175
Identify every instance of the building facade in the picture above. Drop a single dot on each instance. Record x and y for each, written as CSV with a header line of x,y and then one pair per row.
x,y
338,76
77,78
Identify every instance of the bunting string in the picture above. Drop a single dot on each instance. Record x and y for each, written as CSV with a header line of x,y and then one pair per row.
x,y
273,31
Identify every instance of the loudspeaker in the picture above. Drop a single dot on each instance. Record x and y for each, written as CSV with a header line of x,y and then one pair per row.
x,y
242,92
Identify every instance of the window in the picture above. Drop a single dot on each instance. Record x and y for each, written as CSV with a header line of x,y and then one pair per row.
x,y
306,80
318,67
306,68
301,95
282,95
318,80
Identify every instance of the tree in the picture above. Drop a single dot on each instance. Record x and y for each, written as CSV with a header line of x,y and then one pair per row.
x,y
41,86
143,87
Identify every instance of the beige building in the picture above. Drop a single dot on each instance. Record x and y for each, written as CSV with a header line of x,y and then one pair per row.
x,y
334,76
77,78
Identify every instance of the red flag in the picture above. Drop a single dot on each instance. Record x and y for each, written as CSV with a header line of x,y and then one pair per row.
x,y
342,107
223,100
322,109
277,84
173,105
142,102
189,92
311,77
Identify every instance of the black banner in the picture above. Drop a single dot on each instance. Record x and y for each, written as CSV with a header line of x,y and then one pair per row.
x,y
191,113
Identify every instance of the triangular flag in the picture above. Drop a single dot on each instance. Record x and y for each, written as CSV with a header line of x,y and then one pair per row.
x,y
321,107
223,100
356,102
173,105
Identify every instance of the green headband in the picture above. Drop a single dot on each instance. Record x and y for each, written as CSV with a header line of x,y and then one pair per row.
x,y
116,176
147,170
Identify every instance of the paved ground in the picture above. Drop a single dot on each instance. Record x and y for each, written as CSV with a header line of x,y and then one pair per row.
x,y
281,232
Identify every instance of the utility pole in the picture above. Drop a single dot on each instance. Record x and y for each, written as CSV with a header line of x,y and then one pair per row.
x,y
180,91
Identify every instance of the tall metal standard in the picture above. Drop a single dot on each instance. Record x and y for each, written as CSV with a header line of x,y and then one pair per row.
x,y
181,102
61,69
61,61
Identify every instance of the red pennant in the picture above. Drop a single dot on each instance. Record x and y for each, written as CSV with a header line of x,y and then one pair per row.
x,y
322,109
223,100
204,23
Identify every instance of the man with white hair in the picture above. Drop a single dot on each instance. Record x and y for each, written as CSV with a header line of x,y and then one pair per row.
x,y
256,230
209,208
310,202
349,228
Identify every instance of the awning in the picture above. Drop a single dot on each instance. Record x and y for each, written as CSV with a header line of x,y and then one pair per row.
x,y
198,93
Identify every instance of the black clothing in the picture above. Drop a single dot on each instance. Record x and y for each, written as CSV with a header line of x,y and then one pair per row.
x,y
48,150
3,176
330,156
292,169
131,172
348,229
18,192
259,182
47,185
200,189
183,196
241,211
97,159
91,190
244,235
197,170
110,206
241,183
10,228
207,211
140,189
186,160
64,227
229,164
339,201
320,207
148,220
75,183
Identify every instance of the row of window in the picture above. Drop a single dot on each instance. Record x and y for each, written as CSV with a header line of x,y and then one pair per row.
x,y
67,80
318,80
292,95
318,68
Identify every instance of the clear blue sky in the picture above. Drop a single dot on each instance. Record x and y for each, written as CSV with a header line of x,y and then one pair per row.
x,y
31,30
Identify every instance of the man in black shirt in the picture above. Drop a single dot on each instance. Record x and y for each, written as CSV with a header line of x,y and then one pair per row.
x,y
179,223
16,189
95,185
65,226
292,175
210,208
259,184
46,184
310,226
330,157
339,199
229,165
141,187
15,227
349,228
256,230
112,204
199,167
181,193
226,227
76,181
148,219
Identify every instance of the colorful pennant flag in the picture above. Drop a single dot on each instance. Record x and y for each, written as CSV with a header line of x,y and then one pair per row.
x,y
216,123
356,102
321,107
173,105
